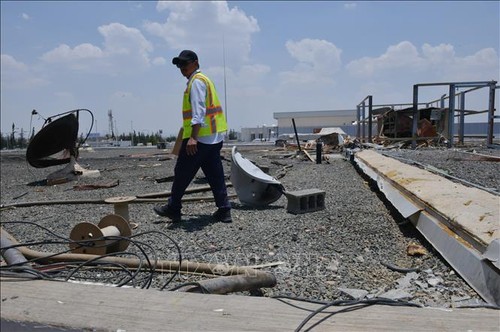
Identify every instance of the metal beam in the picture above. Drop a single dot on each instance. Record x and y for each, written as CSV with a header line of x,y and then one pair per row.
x,y
477,263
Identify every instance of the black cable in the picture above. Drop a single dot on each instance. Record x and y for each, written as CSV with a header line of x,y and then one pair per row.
x,y
85,243
358,303
400,269
355,307
37,225
19,270
324,305
152,265
132,276
49,120
66,241
178,251
194,283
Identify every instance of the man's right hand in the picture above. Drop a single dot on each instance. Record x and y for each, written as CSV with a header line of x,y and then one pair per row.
x,y
191,147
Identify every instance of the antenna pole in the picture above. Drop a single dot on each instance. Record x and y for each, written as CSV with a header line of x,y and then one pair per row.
x,y
224,62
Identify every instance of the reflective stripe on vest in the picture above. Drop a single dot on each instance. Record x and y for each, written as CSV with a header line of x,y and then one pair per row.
x,y
214,120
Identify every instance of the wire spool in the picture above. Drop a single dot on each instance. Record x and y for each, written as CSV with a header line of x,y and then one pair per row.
x,y
120,205
93,236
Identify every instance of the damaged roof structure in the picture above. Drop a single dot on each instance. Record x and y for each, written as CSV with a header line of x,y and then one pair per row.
x,y
422,121
320,232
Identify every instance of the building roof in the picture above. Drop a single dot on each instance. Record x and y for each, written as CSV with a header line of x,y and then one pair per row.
x,y
331,130
308,114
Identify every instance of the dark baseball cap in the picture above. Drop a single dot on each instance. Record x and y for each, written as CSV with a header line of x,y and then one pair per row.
x,y
185,56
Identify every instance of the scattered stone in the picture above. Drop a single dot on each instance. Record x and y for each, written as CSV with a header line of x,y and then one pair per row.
x,y
333,266
421,284
434,281
459,298
356,294
405,282
396,294
355,223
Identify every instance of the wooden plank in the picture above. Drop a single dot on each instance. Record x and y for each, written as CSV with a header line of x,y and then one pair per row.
x,y
84,306
178,142
472,210
308,155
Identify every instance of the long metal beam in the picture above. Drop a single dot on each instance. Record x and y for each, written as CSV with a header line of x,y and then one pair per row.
x,y
459,238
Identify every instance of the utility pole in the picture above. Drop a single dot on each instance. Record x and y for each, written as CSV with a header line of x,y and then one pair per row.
x,y
224,62
110,123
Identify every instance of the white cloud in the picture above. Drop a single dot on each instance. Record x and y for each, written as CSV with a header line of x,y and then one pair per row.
x,y
438,54
435,63
401,55
16,74
484,65
9,63
25,16
124,48
350,6
120,39
204,26
317,60
64,53
159,61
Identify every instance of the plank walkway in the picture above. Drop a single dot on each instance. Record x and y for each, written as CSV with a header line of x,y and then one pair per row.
x,y
104,308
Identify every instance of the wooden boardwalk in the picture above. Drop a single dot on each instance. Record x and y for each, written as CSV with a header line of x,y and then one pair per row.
x,y
104,308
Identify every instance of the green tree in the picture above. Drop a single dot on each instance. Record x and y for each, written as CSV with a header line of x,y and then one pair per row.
x,y
232,134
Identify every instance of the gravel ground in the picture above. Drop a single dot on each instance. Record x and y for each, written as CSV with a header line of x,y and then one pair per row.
x,y
335,253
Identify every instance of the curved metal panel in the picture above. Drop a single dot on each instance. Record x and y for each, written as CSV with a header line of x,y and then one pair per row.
x,y
252,185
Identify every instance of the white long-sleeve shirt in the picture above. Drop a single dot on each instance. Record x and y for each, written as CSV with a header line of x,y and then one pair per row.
x,y
198,108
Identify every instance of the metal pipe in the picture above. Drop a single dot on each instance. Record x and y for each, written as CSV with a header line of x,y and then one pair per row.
x,y
145,198
491,114
12,256
319,147
451,118
461,125
296,135
358,115
94,201
363,107
161,265
370,121
231,284
416,115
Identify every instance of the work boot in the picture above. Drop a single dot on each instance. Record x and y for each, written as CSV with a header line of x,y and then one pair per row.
x,y
166,211
223,215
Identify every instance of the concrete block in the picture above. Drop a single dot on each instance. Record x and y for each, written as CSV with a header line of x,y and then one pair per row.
x,y
307,200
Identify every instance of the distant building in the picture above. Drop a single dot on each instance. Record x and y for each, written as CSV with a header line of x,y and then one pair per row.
x,y
308,122
96,140
313,121
261,133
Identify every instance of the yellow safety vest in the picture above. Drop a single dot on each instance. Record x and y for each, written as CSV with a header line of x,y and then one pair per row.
x,y
215,121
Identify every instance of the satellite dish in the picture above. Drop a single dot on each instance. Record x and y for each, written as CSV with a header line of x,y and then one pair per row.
x,y
58,136
56,144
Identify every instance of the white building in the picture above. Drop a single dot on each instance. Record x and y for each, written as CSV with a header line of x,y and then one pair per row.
x,y
262,133
313,121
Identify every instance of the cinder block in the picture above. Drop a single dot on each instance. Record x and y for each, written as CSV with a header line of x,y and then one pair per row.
x,y
307,200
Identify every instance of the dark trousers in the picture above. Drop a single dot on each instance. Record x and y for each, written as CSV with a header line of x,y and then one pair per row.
x,y
208,159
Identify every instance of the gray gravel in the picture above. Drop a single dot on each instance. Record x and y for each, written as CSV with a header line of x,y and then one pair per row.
x,y
335,253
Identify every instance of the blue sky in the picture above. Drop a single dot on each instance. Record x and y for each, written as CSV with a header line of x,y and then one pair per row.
x,y
263,56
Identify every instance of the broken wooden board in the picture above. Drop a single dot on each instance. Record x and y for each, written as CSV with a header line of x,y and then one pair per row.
x,y
104,308
471,210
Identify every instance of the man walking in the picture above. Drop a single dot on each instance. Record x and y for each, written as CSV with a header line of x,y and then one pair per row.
x,y
204,126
